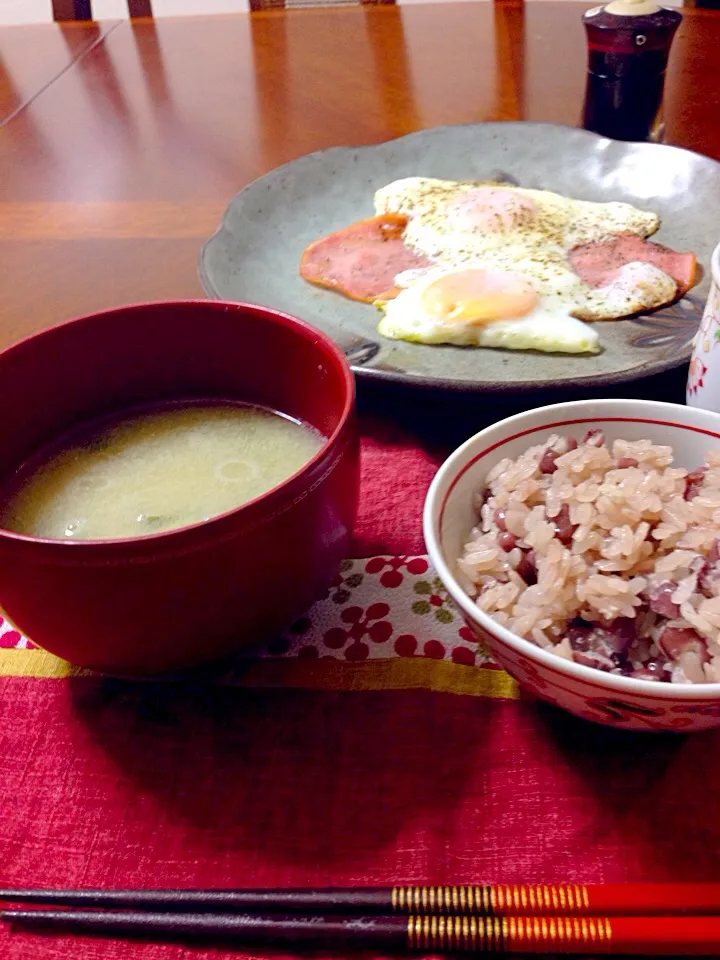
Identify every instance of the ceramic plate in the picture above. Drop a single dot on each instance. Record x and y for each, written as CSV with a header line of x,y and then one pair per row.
x,y
254,255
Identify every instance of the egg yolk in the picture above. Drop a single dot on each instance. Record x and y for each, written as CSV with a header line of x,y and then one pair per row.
x,y
478,297
490,210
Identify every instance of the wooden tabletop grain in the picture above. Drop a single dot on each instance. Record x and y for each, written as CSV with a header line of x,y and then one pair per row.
x,y
123,142
32,57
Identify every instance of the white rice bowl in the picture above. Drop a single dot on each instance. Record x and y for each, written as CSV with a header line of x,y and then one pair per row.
x,y
597,561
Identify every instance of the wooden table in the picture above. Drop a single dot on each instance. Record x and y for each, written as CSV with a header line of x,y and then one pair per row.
x,y
118,155
125,141
31,57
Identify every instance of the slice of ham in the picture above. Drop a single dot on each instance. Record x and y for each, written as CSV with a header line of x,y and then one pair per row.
x,y
598,263
362,260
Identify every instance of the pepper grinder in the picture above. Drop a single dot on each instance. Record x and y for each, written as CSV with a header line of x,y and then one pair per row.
x,y
628,48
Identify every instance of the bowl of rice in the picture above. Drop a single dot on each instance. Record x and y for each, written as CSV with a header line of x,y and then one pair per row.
x,y
581,544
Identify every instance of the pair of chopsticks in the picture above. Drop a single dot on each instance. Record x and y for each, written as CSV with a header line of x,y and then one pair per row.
x,y
621,919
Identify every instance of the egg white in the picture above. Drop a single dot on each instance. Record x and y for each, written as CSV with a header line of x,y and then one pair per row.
x,y
549,328
563,220
637,286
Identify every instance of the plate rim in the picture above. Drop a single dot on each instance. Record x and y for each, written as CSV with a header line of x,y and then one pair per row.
x,y
422,381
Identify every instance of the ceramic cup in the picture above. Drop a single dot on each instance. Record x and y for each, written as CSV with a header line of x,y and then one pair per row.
x,y
703,386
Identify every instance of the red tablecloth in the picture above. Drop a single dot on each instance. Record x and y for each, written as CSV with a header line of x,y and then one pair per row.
x,y
105,783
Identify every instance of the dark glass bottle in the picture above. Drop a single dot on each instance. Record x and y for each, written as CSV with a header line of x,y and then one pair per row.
x,y
627,58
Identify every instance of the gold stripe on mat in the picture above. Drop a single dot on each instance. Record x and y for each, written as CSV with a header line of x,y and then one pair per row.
x,y
21,662
403,673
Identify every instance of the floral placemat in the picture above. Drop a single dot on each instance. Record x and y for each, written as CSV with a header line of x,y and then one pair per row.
x,y
379,608
386,622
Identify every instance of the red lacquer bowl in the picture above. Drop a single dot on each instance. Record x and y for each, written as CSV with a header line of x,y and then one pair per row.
x,y
174,599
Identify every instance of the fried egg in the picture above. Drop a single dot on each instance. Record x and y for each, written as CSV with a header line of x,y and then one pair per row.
x,y
483,308
494,265
480,233
531,233
469,217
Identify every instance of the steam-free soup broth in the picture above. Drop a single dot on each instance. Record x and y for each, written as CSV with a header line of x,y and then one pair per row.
x,y
156,470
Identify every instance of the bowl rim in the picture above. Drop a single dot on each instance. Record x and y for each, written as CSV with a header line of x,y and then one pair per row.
x,y
312,334
715,267
450,470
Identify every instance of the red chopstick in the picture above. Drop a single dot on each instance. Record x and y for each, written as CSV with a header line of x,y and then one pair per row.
x,y
642,899
620,936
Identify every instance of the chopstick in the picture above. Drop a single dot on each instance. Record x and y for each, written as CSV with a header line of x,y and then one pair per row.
x,y
642,899
636,936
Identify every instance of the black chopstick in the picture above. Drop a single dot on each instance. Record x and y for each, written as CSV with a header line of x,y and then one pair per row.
x,y
323,900
298,931
619,936
639,899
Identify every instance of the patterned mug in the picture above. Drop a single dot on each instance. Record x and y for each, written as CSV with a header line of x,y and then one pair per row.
x,y
703,385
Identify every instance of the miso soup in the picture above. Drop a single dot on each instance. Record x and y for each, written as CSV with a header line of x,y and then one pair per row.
x,y
155,469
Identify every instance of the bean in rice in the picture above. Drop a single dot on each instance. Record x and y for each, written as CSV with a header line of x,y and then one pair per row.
x,y
605,554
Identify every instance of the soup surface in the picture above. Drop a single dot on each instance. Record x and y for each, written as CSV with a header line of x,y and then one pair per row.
x,y
155,470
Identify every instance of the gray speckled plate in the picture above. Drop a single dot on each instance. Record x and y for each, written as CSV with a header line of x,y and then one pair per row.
x,y
254,255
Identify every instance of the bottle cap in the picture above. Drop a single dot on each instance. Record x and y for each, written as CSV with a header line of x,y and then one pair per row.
x,y
632,8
